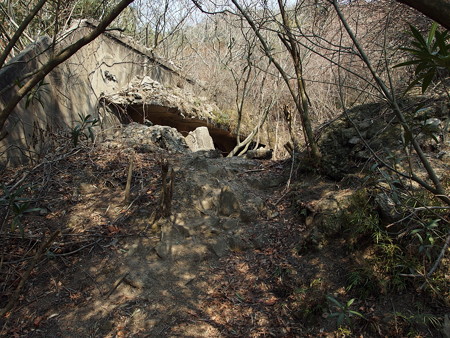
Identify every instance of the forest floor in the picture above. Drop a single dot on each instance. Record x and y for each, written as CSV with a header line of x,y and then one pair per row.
x,y
226,263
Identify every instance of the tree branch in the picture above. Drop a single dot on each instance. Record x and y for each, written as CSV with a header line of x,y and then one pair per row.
x,y
438,10
20,31
62,56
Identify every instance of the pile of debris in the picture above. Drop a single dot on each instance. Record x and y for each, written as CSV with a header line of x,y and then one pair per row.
x,y
154,138
150,92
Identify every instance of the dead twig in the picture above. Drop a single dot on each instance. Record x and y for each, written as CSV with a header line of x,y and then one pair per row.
x,y
168,178
282,196
116,285
253,171
77,250
37,256
438,260
130,176
25,175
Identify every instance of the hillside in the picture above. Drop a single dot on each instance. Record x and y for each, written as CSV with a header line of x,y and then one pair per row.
x,y
181,168
244,249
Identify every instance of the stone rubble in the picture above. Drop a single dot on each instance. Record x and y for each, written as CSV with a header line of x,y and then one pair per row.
x,y
148,91
148,138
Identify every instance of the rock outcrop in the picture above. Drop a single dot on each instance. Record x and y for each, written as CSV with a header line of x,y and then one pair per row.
x,y
260,154
346,144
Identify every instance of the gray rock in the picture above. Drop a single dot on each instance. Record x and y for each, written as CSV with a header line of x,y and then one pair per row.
x,y
273,182
354,140
366,124
208,153
248,215
387,208
228,202
162,250
135,134
259,154
432,125
348,133
220,246
230,223
236,243
261,241
199,139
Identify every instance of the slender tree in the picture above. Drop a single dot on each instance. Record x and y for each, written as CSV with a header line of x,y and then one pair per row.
x,y
298,92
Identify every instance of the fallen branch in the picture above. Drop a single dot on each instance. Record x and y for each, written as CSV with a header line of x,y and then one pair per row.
x,y
130,176
37,256
116,285
77,250
438,260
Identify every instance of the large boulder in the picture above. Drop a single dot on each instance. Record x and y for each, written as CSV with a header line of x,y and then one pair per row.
x,y
199,139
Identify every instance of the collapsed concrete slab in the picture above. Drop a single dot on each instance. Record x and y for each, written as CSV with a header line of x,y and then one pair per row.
x,y
112,79
145,99
101,68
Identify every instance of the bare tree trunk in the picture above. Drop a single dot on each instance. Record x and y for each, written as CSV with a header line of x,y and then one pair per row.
x,y
302,98
438,10
298,94
249,138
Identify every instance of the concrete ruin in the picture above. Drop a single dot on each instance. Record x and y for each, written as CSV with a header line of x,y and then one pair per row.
x,y
86,84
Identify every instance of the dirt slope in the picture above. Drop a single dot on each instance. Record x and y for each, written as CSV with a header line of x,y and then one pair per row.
x,y
112,270
231,260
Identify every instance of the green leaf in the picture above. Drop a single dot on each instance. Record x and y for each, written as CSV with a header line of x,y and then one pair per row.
x,y
419,237
410,50
411,85
427,79
435,137
350,302
421,67
415,231
356,313
34,210
433,223
340,319
441,42
431,33
374,166
407,63
333,300
419,38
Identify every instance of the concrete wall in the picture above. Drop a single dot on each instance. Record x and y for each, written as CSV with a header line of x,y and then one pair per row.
x,y
103,67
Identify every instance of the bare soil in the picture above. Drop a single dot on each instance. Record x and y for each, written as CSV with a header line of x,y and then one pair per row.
x,y
244,274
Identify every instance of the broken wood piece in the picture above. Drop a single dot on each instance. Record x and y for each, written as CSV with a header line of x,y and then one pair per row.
x,y
168,178
289,148
130,176
116,285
